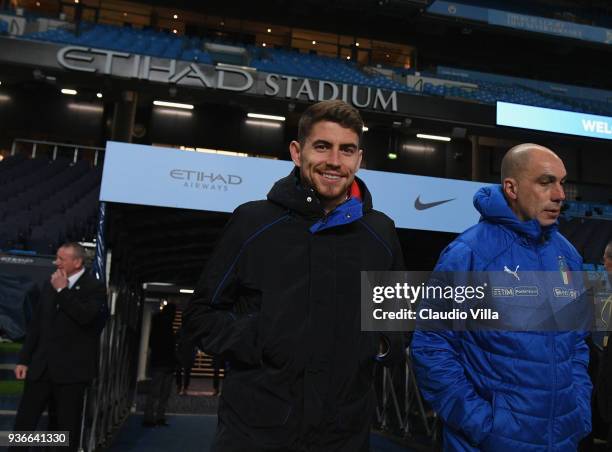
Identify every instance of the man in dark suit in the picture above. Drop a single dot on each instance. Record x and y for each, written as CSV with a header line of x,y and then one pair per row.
x,y
60,353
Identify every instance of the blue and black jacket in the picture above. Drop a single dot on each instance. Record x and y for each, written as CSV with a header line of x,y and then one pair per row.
x,y
280,300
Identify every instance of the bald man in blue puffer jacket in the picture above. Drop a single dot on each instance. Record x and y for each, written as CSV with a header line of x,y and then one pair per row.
x,y
510,391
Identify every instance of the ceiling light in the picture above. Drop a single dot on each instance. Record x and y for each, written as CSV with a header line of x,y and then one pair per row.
x,y
174,31
262,116
432,137
268,124
186,291
85,107
348,57
365,128
70,92
175,16
419,148
162,103
314,42
392,156
99,95
356,44
37,3
264,44
152,283
174,112
269,30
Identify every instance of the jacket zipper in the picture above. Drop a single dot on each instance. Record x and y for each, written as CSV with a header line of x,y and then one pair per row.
x,y
554,369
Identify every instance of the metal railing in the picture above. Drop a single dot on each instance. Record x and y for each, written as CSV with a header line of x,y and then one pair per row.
x,y
400,400
33,147
110,397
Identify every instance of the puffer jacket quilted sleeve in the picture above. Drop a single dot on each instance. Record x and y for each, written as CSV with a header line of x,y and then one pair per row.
x,y
440,373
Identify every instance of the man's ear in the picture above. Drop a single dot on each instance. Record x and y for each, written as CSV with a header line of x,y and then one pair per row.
x,y
296,151
360,159
510,188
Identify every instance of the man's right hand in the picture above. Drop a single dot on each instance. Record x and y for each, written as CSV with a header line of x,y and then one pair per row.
x,y
21,371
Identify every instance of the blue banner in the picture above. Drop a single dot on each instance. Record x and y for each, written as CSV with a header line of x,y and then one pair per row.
x,y
558,121
524,22
137,174
549,26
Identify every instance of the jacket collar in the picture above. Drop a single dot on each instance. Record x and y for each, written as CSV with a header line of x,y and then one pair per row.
x,y
290,193
493,207
72,280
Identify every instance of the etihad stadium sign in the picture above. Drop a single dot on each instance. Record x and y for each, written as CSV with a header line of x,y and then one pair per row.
x,y
221,77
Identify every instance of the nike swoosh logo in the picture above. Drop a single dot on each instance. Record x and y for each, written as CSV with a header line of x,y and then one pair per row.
x,y
418,205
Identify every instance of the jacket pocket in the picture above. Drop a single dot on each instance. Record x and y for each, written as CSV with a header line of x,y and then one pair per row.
x,y
354,416
500,425
254,399
267,409
581,428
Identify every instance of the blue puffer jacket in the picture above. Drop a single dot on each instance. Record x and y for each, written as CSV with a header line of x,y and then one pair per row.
x,y
506,391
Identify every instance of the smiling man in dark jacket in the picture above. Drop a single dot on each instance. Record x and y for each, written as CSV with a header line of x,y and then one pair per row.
x,y
279,299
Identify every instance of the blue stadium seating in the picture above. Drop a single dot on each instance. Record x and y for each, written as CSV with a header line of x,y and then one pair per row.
x,y
317,67
164,45
126,39
489,92
148,42
4,27
44,203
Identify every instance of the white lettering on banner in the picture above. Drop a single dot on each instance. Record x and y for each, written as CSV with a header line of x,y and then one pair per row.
x,y
271,83
322,85
590,125
290,81
147,68
191,71
108,65
385,104
306,89
356,98
69,53
247,83
207,76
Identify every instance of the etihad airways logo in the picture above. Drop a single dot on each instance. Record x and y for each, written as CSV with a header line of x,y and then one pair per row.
x,y
204,180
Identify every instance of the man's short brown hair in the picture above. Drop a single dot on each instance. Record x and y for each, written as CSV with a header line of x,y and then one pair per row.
x,y
336,111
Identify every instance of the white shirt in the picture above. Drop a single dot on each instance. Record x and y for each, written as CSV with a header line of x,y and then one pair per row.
x,y
72,279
